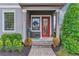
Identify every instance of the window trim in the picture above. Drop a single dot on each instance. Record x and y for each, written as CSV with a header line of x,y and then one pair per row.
x,y
3,24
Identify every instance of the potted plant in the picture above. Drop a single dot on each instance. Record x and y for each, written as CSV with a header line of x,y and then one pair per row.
x,y
28,42
56,40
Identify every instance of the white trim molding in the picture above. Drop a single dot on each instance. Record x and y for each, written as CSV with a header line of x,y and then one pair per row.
x,y
10,6
41,8
58,15
24,10
58,10
24,16
4,19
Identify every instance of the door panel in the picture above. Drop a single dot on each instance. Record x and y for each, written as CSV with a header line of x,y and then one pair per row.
x,y
45,26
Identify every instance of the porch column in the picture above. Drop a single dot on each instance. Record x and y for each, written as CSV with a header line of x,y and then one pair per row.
x,y
24,24
58,19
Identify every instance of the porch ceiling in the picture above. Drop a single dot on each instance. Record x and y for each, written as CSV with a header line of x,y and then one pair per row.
x,y
59,5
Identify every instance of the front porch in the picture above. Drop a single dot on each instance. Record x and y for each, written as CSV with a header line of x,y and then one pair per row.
x,y
42,15
42,32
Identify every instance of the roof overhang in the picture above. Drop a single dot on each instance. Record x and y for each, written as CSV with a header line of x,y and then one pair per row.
x,y
58,5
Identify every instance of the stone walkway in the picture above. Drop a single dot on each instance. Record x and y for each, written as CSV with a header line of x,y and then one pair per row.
x,y
41,51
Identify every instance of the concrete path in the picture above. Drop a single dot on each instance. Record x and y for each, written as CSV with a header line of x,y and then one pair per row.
x,y
41,51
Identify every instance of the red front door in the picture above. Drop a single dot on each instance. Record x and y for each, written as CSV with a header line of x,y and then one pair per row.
x,y
45,26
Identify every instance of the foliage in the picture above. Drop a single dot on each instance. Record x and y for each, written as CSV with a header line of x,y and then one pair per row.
x,y
28,42
56,41
18,36
54,35
70,29
4,36
11,41
12,36
1,44
8,44
17,45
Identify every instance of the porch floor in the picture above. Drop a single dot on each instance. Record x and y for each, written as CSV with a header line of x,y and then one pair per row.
x,y
41,51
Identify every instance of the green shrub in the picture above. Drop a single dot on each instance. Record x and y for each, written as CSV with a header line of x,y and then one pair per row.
x,y
18,36
70,29
12,41
12,36
1,44
8,44
4,36
17,45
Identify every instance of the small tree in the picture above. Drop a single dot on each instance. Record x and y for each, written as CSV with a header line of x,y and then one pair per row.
x,y
70,29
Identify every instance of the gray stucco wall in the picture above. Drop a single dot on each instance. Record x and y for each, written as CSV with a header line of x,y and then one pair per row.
x,y
19,22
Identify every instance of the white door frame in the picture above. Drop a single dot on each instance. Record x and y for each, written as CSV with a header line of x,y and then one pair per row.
x,y
41,25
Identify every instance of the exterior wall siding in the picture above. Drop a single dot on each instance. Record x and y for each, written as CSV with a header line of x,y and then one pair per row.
x,y
19,22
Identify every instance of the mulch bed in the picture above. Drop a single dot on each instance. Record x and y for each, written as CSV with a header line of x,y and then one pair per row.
x,y
56,48
59,51
25,52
